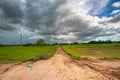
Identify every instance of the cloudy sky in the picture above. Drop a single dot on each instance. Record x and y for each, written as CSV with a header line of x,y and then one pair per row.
x,y
59,20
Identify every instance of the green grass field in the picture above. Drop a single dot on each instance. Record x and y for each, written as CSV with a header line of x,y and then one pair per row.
x,y
11,54
93,51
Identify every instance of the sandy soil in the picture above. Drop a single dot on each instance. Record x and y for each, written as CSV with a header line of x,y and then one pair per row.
x,y
62,67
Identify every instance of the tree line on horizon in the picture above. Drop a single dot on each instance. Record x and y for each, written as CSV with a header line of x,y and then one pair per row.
x,y
41,42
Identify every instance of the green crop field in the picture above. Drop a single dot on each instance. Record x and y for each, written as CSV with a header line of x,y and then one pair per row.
x,y
93,51
11,54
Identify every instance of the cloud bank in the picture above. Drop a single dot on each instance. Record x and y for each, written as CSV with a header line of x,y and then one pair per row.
x,y
56,20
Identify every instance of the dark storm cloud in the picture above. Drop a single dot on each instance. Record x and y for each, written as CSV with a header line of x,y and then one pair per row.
x,y
75,24
42,14
6,27
51,19
95,33
10,8
10,13
116,19
80,27
84,31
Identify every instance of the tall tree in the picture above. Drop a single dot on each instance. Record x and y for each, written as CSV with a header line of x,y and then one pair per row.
x,y
40,42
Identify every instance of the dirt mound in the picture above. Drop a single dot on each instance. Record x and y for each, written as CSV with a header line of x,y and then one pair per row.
x,y
62,67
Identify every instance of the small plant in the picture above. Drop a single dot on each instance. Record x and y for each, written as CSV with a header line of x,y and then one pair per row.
x,y
41,57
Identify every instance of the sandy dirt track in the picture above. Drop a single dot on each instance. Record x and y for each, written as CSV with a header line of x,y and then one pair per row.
x,y
62,67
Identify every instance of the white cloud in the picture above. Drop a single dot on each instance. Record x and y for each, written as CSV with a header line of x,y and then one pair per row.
x,y
36,37
23,1
115,12
67,37
116,4
93,7
98,6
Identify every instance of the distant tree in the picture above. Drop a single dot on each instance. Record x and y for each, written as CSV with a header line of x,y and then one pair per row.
x,y
55,43
75,43
28,44
40,42
101,42
92,42
1,45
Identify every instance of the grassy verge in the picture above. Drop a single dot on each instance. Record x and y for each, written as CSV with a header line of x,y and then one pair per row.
x,y
74,55
93,51
12,54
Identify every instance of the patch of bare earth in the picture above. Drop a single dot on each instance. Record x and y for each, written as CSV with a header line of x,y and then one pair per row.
x,y
62,67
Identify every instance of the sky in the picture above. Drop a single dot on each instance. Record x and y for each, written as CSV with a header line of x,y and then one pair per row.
x,y
59,20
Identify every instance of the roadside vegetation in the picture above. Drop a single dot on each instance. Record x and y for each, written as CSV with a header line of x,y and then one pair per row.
x,y
41,50
10,54
93,51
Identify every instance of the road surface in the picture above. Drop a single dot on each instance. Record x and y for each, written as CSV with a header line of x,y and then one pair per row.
x,y
61,67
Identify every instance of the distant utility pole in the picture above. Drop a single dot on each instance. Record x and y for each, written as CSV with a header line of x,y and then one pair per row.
x,y
21,38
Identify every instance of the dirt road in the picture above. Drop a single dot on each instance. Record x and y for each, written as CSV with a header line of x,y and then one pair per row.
x,y
62,67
